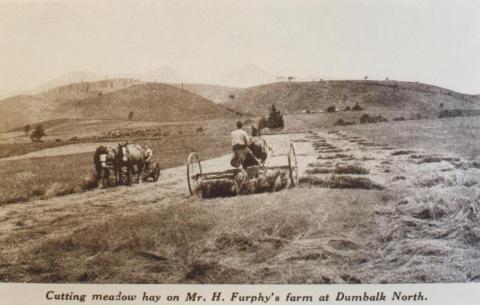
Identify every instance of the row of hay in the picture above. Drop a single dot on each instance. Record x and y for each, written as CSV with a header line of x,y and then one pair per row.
x,y
341,181
354,169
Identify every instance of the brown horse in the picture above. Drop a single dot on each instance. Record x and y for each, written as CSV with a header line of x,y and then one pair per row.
x,y
259,152
133,157
105,160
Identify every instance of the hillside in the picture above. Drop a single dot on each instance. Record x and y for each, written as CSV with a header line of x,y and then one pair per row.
x,y
20,110
295,97
110,99
149,102
216,93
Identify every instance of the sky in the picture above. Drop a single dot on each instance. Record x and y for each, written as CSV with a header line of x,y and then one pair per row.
x,y
430,41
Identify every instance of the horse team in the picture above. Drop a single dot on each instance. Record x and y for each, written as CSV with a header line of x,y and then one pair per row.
x,y
122,162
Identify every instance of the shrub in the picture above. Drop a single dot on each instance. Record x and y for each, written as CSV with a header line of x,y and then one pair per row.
x,y
38,133
27,129
348,108
341,122
399,119
331,109
357,107
364,119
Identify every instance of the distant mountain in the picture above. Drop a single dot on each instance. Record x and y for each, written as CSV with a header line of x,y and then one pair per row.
x,y
295,97
164,74
248,75
216,93
109,99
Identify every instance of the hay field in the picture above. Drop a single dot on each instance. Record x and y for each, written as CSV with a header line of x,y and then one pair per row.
x,y
67,169
366,212
456,135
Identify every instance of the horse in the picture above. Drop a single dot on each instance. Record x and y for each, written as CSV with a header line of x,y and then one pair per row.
x,y
105,154
133,157
258,150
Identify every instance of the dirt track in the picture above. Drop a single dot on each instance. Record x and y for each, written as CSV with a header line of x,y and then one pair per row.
x,y
406,232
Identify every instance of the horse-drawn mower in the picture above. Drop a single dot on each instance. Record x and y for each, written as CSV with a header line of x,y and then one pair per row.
x,y
125,177
231,182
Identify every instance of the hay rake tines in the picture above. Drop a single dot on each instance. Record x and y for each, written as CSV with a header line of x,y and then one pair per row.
x,y
195,176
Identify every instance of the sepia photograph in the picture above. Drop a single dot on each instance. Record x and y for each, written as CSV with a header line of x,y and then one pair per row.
x,y
240,142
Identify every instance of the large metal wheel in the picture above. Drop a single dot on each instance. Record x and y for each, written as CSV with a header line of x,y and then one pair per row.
x,y
194,171
292,165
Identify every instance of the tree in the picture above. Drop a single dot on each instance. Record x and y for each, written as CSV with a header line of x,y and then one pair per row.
x,y
262,123
357,107
38,133
130,115
275,118
27,129
331,109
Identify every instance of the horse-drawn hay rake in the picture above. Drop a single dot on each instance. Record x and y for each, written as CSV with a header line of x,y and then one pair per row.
x,y
231,182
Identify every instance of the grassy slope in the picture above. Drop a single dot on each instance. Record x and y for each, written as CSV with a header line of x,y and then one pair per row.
x,y
294,97
149,102
112,99
20,110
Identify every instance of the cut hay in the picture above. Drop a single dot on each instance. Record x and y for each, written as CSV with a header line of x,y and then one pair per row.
x,y
339,169
351,169
341,182
268,181
402,152
319,170
217,188
336,156
329,150
433,159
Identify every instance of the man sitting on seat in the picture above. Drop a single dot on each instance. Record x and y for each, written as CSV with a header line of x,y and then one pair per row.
x,y
240,142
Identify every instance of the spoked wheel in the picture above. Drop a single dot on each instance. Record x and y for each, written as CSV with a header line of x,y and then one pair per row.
x,y
194,171
292,165
156,172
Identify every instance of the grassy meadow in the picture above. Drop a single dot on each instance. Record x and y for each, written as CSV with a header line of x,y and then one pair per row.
x,y
60,175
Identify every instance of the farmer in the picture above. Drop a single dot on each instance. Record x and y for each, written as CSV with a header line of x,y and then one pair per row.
x,y
148,153
240,142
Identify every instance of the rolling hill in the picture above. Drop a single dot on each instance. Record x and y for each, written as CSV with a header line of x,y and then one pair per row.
x,y
295,97
111,99
149,102
216,93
